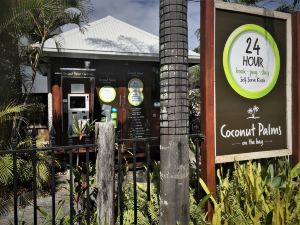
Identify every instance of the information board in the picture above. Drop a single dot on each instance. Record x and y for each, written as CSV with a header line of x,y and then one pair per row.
x,y
252,98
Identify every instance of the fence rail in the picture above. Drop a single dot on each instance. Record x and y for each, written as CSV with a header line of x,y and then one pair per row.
x,y
121,147
52,150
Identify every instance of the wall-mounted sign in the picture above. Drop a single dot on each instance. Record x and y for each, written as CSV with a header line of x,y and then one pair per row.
x,y
251,61
77,88
135,98
252,84
135,84
107,94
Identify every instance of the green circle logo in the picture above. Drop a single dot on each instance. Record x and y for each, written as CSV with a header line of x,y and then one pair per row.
x,y
251,61
135,98
107,94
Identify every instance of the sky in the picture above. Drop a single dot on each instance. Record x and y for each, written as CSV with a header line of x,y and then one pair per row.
x,y
144,14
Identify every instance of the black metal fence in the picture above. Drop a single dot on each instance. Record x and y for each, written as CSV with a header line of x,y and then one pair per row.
x,y
68,152
195,138
133,142
53,151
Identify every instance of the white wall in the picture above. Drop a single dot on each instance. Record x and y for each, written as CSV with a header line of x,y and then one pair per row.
x,y
40,83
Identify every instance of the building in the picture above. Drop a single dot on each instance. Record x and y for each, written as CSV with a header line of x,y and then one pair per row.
x,y
111,71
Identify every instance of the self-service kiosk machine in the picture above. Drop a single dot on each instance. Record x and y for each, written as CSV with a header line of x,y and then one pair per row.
x,y
78,107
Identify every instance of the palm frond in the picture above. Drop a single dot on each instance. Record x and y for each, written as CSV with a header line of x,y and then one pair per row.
x,y
59,41
6,203
10,110
43,173
25,198
285,8
6,170
20,12
70,16
84,6
296,4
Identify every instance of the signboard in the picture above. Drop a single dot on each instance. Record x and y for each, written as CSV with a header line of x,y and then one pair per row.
x,y
252,84
137,123
77,88
135,84
107,94
137,114
135,96
251,61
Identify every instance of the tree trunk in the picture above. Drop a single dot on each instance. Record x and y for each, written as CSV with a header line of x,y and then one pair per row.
x,y
174,175
105,136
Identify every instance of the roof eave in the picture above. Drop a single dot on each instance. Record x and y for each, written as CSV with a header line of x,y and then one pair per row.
x,y
132,56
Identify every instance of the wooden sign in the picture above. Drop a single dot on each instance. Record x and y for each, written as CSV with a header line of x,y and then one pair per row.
x,y
252,83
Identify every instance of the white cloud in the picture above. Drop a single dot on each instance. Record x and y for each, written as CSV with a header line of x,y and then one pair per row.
x,y
143,14
193,23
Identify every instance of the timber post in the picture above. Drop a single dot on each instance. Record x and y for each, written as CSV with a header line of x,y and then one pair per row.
x,y
105,139
296,86
207,50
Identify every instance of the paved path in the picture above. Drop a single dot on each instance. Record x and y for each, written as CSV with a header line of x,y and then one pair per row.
x,y
26,213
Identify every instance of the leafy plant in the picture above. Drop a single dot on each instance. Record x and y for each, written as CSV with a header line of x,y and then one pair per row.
x,y
254,194
80,194
79,201
23,173
60,219
148,212
33,22
194,98
79,128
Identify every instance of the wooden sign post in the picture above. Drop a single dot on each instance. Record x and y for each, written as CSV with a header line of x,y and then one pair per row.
x,y
207,94
296,87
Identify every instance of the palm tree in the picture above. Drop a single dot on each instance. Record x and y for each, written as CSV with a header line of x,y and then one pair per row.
x,y
174,182
9,63
7,114
10,114
35,21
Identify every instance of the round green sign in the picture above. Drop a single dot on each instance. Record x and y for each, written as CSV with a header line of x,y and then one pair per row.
x,y
135,98
107,94
251,61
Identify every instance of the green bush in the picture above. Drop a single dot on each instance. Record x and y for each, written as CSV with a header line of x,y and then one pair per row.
x,y
254,194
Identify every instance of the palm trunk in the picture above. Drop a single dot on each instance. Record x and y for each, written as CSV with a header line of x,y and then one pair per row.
x,y
174,175
34,67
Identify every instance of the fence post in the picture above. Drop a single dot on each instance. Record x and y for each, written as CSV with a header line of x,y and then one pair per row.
x,y
14,142
34,172
52,144
105,138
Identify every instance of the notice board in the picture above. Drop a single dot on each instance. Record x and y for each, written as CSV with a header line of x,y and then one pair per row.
x,y
252,84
